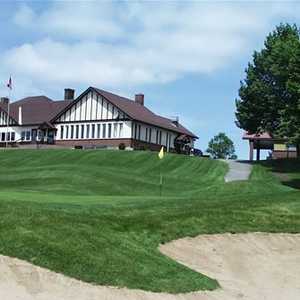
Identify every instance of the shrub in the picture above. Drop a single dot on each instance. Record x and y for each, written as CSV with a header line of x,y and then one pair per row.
x,y
122,146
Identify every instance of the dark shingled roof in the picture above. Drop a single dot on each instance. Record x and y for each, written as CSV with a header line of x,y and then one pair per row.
x,y
141,113
36,110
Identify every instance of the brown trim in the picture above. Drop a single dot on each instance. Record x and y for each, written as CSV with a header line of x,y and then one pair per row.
x,y
92,121
101,107
86,101
91,109
266,139
97,106
23,125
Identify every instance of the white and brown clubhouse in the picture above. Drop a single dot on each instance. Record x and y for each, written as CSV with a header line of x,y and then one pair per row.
x,y
94,119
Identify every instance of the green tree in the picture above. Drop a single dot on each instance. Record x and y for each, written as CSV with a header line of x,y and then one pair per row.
x,y
221,146
269,96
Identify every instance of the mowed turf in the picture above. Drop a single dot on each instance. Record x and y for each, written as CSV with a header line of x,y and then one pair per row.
x,y
97,215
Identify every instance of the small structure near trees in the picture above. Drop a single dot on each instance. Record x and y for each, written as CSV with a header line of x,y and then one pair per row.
x,y
269,97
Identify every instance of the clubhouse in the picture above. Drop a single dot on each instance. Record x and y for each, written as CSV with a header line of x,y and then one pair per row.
x,y
95,119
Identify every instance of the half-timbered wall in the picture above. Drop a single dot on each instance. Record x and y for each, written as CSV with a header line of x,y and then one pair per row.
x,y
92,107
3,118
153,135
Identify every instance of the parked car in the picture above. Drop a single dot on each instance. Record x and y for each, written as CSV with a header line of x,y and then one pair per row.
x,y
196,152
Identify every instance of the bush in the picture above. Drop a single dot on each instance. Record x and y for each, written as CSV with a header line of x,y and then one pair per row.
x,y
122,146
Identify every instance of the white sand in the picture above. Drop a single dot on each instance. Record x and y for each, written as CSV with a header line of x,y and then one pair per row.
x,y
248,266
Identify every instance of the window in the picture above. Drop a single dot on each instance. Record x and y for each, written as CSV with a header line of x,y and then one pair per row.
x,y
82,131
121,130
67,132
157,134
2,136
88,131
8,136
72,131
77,131
150,135
40,134
135,131
98,131
109,130
27,135
139,136
13,136
104,131
61,132
115,130
33,134
23,133
93,131
146,136
160,137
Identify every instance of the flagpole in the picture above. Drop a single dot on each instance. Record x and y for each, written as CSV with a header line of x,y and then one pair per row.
x,y
160,156
7,122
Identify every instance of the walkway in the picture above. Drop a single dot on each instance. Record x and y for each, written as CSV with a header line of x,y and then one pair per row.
x,y
238,170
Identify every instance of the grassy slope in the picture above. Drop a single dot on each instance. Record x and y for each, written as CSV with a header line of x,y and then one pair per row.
x,y
96,216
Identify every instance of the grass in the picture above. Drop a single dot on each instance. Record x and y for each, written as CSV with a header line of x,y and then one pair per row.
x,y
97,216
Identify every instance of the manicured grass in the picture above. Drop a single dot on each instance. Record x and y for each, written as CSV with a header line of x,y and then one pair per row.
x,y
97,216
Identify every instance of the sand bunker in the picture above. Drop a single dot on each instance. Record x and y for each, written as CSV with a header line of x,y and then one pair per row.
x,y
248,266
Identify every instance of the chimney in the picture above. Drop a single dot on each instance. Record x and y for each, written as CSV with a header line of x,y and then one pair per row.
x,y
176,121
4,100
69,94
20,115
139,98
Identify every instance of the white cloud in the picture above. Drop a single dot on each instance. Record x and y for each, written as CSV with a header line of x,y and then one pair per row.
x,y
114,45
87,20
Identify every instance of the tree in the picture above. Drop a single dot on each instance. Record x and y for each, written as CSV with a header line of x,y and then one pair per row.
x,y
269,96
221,146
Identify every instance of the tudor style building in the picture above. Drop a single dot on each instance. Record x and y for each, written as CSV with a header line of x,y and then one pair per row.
x,y
94,119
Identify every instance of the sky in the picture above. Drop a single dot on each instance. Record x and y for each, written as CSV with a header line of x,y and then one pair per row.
x,y
187,57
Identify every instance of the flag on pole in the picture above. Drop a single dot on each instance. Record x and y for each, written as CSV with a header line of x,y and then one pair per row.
x,y
9,84
161,153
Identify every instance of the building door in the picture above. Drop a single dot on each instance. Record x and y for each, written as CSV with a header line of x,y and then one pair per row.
x,y
33,135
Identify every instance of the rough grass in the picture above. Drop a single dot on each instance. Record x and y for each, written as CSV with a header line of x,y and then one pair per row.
x,y
97,216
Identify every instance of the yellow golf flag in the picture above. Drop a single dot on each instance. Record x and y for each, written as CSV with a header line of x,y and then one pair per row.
x,y
161,153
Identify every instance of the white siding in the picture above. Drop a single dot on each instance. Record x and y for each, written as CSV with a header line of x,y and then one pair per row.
x,y
145,135
116,133
90,108
17,131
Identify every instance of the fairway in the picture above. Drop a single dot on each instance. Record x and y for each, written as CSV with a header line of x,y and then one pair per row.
x,y
97,215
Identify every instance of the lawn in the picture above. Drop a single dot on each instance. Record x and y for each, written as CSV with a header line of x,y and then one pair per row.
x,y
97,215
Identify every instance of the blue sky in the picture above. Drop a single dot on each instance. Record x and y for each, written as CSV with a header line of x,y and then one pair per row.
x,y
186,57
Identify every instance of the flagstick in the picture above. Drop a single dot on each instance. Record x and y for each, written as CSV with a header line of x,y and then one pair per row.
x,y
160,182
160,156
